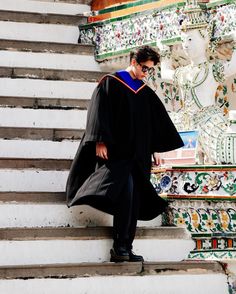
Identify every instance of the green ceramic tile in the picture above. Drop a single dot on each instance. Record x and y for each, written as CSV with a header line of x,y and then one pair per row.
x,y
213,250
117,53
210,199
170,41
118,7
218,3
213,167
210,235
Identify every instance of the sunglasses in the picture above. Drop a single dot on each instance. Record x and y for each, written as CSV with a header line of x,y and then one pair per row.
x,y
144,69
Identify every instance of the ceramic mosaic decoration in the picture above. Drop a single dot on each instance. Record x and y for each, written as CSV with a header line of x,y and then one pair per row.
x,y
202,200
191,182
118,36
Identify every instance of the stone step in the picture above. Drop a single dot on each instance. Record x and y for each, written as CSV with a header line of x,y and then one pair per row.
x,y
49,47
46,7
53,134
42,103
40,210
39,32
43,118
29,246
44,89
86,233
16,180
108,269
35,163
50,74
36,149
33,197
175,282
50,61
46,18
72,270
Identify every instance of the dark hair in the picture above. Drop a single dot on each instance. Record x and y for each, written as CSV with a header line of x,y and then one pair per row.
x,y
144,53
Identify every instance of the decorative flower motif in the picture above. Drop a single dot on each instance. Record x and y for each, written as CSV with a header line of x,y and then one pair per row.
x,y
224,226
165,182
205,189
222,18
224,216
180,221
195,216
210,224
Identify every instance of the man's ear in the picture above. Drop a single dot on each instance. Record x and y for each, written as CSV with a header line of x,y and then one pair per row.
x,y
133,61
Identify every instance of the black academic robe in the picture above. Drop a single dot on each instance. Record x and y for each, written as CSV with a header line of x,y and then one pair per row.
x,y
133,124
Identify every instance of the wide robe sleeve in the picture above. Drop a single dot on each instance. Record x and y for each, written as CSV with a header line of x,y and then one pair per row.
x,y
165,137
99,117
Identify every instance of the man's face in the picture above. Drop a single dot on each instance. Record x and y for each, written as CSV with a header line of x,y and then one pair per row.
x,y
143,69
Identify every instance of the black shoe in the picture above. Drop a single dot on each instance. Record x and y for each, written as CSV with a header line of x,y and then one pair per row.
x,y
135,258
119,254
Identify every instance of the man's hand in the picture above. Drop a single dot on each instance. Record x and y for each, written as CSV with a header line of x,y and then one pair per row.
x,y
157,158
101,150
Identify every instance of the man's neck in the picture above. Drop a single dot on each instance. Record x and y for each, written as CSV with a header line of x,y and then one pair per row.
x,y
129,70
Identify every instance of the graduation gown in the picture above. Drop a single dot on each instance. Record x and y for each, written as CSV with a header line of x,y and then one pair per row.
x,y
128,117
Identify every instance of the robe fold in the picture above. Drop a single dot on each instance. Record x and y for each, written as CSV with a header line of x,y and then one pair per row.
x,y
128,117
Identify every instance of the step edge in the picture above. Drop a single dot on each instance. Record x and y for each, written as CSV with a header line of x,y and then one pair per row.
x,y
106,269
84,233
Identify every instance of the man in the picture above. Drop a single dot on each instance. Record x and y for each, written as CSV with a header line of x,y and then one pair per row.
x,y
126,124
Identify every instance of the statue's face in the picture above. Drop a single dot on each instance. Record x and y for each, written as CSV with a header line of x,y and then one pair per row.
x,y
194,45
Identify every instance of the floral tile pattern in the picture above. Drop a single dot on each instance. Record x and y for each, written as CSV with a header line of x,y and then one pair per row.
x,y
212,225
204,217
205,182
112,37
222,21
123,33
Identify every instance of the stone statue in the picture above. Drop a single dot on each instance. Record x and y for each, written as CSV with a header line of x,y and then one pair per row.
x,y
197,83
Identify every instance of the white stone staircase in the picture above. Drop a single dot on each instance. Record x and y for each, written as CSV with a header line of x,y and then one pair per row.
x,y
46,81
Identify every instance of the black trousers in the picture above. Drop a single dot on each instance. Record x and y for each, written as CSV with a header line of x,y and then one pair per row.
x,y
126,214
